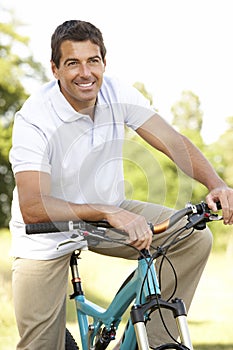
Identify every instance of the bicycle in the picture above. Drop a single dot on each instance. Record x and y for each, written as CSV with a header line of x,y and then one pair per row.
x,y
141,288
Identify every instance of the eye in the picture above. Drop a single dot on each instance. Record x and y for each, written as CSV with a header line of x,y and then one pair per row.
x,y
72,63
94,60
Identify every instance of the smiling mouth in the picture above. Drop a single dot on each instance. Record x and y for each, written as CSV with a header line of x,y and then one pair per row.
x,y
85,85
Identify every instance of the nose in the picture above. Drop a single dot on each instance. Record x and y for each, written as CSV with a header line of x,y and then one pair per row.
x,y
84,70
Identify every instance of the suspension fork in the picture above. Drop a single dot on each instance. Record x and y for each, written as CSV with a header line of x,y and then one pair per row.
x,y
179,312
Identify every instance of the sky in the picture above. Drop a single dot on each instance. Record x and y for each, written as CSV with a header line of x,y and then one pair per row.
x,y
169,45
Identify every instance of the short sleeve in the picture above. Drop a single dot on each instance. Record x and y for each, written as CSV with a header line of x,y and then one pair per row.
x,y
30,150
137,107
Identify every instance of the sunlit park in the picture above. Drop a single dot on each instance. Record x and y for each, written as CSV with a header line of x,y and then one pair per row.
x,y
187,53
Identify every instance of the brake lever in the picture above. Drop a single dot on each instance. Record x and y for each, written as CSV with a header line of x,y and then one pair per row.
x,y
215,217
198,221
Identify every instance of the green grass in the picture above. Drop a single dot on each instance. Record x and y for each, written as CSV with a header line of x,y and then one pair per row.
x,y
8,333
210,316
212,309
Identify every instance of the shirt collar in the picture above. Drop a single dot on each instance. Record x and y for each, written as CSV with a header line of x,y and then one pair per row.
x,y
63,108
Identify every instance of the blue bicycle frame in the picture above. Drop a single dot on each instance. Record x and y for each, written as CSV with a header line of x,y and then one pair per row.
x,y
143,288
145,276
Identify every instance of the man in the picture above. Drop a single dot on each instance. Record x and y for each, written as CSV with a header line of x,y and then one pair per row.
x,y
67,161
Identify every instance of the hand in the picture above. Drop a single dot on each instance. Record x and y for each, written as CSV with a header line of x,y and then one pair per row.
x,y
224,195
140,235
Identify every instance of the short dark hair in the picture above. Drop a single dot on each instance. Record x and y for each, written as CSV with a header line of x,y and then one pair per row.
x,y
75,30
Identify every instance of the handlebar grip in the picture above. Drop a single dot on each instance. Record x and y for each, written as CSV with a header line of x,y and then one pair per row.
x,y
171,221
45,227
219,207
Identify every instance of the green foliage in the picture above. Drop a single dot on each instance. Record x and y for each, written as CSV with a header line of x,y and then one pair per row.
x,y
141,87
6,175
187,113
223,153
188,119
17,67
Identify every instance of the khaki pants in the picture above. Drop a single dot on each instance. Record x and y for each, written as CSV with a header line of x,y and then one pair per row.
x,y
39,287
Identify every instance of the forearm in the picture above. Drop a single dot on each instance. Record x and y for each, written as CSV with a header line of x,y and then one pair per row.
x,y
38,205
46,208
196,165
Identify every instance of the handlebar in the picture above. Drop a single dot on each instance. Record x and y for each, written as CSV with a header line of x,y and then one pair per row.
x,y
197,215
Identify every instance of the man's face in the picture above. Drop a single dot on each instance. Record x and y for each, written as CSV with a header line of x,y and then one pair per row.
x,y
80,73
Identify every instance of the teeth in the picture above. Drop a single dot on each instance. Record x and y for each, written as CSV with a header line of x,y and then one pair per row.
x,y
85,85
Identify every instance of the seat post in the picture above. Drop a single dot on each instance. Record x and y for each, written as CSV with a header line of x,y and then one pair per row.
x,y
76,279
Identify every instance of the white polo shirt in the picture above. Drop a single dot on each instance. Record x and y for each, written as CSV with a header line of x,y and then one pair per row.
x,y
83,157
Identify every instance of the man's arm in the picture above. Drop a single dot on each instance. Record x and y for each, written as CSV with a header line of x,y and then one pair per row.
x,y
188,157
37,205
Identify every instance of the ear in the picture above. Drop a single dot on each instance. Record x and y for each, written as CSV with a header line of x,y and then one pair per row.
x,y
54,69
104,64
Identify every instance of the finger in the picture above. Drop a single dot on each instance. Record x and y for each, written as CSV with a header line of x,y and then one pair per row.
x,y
150,238
143,242
211,202
139,244
227,208
225,204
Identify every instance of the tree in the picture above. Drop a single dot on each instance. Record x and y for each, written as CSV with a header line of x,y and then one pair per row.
x,y
141,87
15,72
223,154
188,117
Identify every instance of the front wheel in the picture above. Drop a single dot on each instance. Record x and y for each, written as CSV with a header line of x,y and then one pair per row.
x,y
70,342
172,347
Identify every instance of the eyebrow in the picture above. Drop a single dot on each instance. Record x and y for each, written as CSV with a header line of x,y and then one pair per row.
x,y
76,59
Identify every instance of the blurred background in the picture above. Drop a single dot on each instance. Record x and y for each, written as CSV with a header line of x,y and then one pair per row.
x,y
179,55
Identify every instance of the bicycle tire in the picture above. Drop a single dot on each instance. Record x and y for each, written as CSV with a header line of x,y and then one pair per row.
x,y
70,342
171,346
